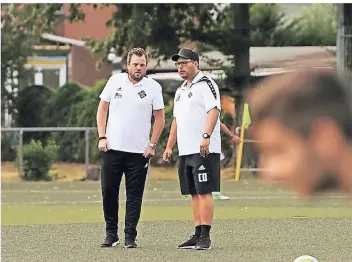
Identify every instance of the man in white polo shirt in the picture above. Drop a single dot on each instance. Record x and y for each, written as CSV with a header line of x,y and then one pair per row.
x,y
196,126
124,117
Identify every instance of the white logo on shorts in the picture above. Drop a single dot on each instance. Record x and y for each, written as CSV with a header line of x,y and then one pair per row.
x,y
202,177
201,167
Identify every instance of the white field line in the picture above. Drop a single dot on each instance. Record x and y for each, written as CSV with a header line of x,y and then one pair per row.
x,y
160,200
74,191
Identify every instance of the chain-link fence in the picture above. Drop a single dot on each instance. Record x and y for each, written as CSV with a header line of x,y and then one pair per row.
x,y
73,144
76,149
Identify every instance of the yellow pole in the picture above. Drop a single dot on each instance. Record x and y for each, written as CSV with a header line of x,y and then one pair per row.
x,y
239,154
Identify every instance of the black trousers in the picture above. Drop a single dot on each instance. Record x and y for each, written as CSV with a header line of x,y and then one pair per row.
x,y
135,167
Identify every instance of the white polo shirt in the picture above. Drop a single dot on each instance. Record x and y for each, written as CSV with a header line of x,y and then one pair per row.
x,y
130,111
191,106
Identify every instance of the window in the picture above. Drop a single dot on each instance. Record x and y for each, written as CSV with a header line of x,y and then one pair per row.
x,y
51,77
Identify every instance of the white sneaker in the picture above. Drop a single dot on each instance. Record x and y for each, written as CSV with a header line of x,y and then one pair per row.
x,y
219,196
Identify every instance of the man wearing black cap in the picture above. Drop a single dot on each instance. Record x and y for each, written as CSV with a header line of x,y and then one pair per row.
x,y
196,126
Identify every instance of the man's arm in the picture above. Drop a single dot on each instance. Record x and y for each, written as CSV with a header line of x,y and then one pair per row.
x,y
172,136
159,116
225,130
102,115
212,118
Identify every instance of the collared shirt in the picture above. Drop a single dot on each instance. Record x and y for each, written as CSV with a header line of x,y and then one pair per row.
x,y
130,111
191,106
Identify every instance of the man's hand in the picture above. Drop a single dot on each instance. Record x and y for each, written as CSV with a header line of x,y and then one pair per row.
x,y
167,154
235,139
103,145
149,152
204,147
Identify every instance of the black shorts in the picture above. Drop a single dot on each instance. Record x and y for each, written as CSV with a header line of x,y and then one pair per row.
x,y
199,175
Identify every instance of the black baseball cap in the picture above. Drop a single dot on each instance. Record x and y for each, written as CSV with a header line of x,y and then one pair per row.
x,y
186,53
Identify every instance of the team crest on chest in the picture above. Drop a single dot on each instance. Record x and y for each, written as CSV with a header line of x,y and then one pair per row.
x,y
142,94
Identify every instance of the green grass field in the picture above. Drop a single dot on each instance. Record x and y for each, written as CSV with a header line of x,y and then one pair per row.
x,y
63,221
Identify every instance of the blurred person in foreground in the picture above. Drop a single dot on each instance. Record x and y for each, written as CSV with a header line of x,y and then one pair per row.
x,y
304,122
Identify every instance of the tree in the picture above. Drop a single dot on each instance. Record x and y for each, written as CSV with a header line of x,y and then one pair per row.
x,y
161,28
21,28
31,104
316,25
270,26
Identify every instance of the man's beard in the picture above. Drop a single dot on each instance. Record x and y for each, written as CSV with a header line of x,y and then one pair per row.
x,y
137,78
184,76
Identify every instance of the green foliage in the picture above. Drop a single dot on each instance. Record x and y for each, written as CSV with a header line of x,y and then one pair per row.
x,y
21,27
38,159
316,26
269,26
157,159
62,112
144,25
87,111
227,145
31,104
161,28
9,142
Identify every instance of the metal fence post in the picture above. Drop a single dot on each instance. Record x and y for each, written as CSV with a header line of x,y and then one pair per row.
x,y
20,152
87,149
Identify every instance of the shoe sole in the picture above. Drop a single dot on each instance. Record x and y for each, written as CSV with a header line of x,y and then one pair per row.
x,y
130,246
188,247
201,248
112,245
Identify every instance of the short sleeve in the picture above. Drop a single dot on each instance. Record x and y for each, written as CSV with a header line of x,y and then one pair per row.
x,y
108,90
158,100
211,95
176,98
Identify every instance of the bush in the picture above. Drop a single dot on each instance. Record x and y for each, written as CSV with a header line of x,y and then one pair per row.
x,y
9,142
61,112
31,104
158,158
316,26
226,145
37,160
268,25
86,116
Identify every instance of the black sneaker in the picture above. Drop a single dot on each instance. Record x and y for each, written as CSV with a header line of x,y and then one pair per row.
x,y
189,243
111,240
204,243
130,242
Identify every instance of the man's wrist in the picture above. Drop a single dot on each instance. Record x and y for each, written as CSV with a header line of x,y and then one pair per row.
x,y
102,137
206,135
152,145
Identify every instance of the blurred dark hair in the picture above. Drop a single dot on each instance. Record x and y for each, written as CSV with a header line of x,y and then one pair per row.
x,y
297,99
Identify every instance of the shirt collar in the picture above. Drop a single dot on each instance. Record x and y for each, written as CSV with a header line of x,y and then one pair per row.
x,y
195,79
